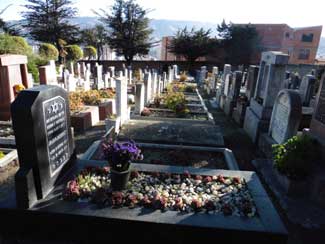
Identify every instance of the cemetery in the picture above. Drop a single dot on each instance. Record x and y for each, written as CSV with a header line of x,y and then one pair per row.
x,y
162,160
174,151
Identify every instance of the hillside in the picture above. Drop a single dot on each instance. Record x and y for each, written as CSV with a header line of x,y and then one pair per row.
x,y
163,27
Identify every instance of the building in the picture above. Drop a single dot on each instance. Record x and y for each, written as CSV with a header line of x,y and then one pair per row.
x,y
301,44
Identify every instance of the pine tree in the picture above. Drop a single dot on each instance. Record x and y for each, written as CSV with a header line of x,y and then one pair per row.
x,y
48,21
129,29
193,44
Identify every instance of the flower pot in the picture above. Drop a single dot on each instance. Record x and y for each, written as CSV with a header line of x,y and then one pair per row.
x,y
119,180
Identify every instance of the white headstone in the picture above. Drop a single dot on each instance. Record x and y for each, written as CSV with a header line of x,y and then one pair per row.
x,y
139,98
286,116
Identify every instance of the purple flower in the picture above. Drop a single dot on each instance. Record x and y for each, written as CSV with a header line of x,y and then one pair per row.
x,y
120,154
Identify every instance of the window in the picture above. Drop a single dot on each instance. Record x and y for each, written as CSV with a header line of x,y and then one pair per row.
x,y
307,37
304,54
287,35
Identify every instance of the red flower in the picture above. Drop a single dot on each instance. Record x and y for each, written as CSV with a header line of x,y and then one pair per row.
x,y
196,204
134,174
207,179
209,205
186,174
198,177
146,202
179,203
236,180
117,199
221,179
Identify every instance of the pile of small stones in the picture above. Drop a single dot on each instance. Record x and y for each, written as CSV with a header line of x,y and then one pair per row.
x,y
180,192
6,131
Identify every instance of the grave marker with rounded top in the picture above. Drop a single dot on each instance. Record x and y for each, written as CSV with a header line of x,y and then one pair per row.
x,y
286,116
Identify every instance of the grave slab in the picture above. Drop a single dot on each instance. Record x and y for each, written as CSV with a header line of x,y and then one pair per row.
x,y
173,131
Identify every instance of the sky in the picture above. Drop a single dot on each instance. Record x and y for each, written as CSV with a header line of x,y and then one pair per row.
x,y
295,13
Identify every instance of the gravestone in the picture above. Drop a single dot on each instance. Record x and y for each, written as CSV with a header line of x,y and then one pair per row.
x,y
147,87
87,80
154,84
215,72
306,89
112,70
170,75
82,70
139,98
285,120
47,74
251,81
175,73
106,80
220,96
99,77
233,92
317,131
122,100
13,71
286,116
269,82
41,123
317,126
243,101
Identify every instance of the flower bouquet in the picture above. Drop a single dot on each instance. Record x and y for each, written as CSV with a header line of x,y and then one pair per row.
x,y
120,155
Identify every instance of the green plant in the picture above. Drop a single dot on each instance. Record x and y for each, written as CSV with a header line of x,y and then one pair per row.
x,y
90,52
75,101
106,93
14,45
295,157
48,51
175,101
74,52
183,77
2,154
157,101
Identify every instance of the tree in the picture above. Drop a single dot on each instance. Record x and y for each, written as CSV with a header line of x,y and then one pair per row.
x,y
74,52
48,21
129,33
240,42
14,45
90,52
48,51
96,37
192,44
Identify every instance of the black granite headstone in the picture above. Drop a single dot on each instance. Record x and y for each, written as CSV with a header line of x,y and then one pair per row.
x,y
41,123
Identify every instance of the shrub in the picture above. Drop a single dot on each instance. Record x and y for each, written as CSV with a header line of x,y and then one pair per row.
x,y
74,52
90,52
14,45
75,101
106,93
183,78
48,51
295,157
175,100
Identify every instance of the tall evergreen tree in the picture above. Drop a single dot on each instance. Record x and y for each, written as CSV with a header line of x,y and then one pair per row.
x,y
48,21
240,42
193,44
96,36
129,32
